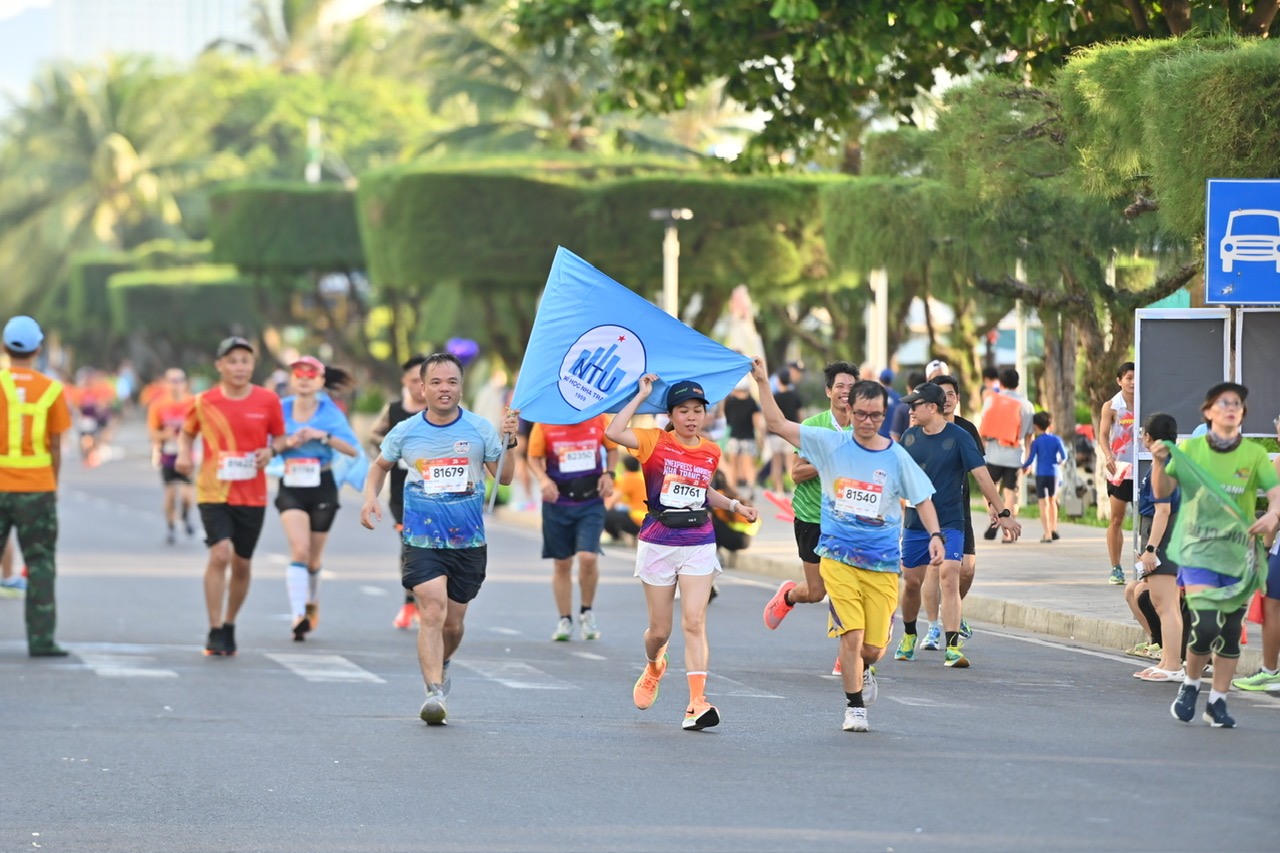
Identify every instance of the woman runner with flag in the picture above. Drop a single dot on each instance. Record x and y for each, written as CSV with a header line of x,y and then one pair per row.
x,y
1215,540
677,543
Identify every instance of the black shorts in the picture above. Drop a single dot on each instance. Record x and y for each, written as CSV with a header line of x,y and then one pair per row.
x,y
1004,477
807,536
1046,487
241,524
1167,566
970,547
464,567
1123,492
319,502
170,476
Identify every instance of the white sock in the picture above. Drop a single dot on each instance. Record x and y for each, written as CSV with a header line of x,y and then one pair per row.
x,y
295,581
313,585
1191,682
1214,696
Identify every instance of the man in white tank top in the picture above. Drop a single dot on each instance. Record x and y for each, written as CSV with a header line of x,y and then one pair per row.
x,y
1118,445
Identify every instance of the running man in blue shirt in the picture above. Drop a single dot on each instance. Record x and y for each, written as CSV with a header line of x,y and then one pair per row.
x,y
443,553
1048,453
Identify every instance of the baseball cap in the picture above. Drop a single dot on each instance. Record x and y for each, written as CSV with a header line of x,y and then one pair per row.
x,y
310,361
22,334
926,393
683,391
233,342
886,375
936,367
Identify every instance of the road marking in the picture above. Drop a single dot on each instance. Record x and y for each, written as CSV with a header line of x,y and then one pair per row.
x,y
507,632
739,689
1113,656
333,668
921,702
519,676
124,666
588,655
375,591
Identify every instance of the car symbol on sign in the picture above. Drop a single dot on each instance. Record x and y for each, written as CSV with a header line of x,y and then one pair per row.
x,y
1252,235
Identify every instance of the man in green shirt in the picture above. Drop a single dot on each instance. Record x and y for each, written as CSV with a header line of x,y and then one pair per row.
x,y
807,503
1210,537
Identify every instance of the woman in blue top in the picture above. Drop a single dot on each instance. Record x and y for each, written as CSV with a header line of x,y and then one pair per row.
x,y
308,496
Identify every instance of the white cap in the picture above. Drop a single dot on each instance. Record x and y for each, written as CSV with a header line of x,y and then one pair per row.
x,y
937,367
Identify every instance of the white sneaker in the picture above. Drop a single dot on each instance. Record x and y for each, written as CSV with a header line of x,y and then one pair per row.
x,y
870,690
590,630
855,720
433,710
564,630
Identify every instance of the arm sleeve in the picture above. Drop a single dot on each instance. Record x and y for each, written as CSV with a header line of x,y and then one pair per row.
x,y
275,422
393,442
494,444
648,440
537,441
59,416
191,423
609,444
815,445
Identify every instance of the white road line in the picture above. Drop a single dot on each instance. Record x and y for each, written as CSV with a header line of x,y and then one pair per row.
x,y
737,688
375,591
506,632
588,655
514,674
333,668
1112,656
124,666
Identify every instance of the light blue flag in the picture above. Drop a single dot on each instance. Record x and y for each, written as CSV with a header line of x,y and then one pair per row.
x,y
592,341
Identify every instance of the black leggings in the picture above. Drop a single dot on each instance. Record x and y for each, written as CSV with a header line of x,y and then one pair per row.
x,y
1153,619
1215,632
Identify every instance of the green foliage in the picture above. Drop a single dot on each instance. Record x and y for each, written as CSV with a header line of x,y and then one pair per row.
x,y
186,306
903,152
889,222
1210,115
279,228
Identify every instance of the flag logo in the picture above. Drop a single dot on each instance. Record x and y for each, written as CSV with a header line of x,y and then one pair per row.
x,y
598,364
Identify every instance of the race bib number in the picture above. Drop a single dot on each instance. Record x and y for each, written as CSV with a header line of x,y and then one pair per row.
x,y
236,466
573,460
302,472
854,497
443,476
682,493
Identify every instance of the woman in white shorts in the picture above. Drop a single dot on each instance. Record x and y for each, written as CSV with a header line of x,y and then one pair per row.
x,y
677,543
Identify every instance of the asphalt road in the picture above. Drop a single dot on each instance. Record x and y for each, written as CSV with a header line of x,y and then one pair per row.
x,y
139,742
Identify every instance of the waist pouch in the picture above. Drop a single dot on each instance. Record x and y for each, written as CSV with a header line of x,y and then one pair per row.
x,y
580,488
682,518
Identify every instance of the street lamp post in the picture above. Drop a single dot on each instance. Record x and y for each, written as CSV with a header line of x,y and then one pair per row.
x,y
671,255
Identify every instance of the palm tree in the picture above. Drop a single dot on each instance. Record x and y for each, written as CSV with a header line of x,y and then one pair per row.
x,y
93,159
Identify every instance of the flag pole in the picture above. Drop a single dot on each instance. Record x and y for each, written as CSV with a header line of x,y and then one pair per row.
x,y
502,455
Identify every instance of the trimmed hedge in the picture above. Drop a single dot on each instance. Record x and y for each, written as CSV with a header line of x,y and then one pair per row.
x,y
198,303
285,228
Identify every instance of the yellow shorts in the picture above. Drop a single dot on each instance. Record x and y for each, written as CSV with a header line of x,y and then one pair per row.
x,y
859,599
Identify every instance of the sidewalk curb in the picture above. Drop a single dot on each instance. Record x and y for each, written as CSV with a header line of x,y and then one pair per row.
x,y
992,611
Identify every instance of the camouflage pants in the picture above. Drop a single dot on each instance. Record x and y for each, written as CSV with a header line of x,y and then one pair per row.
x,y
35,516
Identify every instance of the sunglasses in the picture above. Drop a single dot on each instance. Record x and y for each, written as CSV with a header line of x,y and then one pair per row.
x,y
306,372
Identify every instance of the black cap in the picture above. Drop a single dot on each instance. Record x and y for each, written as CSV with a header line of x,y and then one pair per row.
x,y
685,390
1221,388
926,393
234,342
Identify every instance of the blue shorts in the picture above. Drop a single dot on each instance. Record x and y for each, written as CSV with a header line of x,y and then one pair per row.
x,y
915,547
1273,577
464,567
1191,576
570,528
1047,486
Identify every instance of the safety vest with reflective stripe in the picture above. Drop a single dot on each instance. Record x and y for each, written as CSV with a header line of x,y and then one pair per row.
x,y
12,456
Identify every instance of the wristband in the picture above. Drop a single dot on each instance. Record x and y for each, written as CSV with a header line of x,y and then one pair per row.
x,y
511,445
324,439
939,534
274,452
613,475
1004,513
734,504
1151,549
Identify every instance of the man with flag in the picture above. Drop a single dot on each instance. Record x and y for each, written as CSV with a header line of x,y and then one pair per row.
x,y
1215,540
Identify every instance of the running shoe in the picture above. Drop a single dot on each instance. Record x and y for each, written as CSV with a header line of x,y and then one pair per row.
x,y
1215,714
955,657
216,645
855,720
700,715
53,650
906,648
646,689
1055,536
434,710
300,629
229,638
170,538
835,669
931,640
590,630
407,617
313,614
564,630
777,608
966,633
191,530
13,587
1184,707
1261,680
870,690
447,683
1117,576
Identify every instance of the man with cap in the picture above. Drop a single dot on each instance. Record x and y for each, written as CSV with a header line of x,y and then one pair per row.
x,y
243,427
937,367
30,461
947,454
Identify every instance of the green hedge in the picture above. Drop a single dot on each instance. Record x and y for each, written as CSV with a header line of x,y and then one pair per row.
x,y
184,306
285,228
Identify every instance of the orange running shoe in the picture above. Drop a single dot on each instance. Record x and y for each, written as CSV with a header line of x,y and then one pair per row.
x,y
646,689
777,608
835,670
407,617
701,715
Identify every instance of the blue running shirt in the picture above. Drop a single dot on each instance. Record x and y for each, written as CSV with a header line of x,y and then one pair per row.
x,y
444,488
861,489
947,458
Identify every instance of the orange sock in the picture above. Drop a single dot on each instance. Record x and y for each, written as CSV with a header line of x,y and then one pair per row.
x,y
697,686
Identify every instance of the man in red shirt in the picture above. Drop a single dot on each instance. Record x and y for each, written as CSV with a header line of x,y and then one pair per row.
x,y
165,415
575,479
243,428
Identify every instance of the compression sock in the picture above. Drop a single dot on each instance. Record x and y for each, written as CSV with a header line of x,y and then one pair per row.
x,y
295,581
908,627
313,584
697,685
855,699
953,639
586,608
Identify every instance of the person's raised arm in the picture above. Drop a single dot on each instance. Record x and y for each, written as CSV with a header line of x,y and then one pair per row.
x,y
618,432
777,422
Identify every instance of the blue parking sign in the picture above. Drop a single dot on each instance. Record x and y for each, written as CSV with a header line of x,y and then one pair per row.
x,y
1242,243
